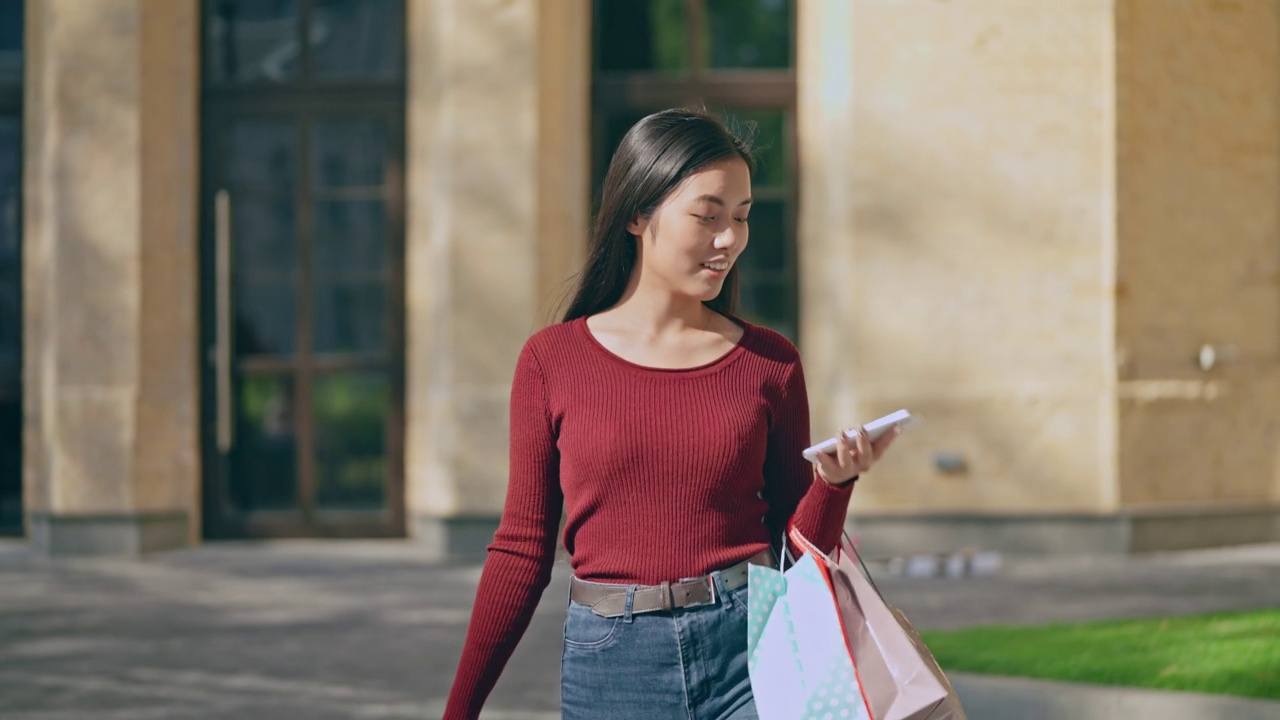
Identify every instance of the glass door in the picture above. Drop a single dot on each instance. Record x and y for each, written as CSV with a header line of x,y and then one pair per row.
x,y
302,255
11,24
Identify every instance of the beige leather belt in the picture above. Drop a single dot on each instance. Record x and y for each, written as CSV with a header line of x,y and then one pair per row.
x,y
610,600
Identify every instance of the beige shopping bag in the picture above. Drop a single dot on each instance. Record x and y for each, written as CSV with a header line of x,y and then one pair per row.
x,y
899,675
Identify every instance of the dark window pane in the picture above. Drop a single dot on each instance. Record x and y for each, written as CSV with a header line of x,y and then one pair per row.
x,y
264,230
350,316
357,39
768,131
10,144
350,292
266,318
10,461
253,40
262,154
350,238
264,463
11,29
770,303
767,242
10,287
349,412
10,252
11,25
641,35
348,153
748,33
10,293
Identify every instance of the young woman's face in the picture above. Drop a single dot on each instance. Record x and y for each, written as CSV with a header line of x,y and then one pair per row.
x,y
697,233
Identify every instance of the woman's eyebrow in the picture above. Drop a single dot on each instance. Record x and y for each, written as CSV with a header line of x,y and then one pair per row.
x,y
717,200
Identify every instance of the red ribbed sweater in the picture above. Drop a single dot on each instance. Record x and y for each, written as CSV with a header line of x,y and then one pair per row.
x,y
662,474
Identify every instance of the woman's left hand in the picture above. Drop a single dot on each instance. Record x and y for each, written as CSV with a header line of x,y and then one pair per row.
x,y
849,460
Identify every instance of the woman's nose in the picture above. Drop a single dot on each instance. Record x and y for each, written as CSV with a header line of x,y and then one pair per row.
x,y
727,239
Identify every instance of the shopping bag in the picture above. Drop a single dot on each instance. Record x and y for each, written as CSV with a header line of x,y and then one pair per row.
x,y
797,657
900,677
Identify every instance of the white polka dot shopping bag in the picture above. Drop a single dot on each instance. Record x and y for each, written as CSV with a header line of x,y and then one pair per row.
x,y
823,644
799,665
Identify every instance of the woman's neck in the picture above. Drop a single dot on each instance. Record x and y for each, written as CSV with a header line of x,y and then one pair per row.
x,y
657,311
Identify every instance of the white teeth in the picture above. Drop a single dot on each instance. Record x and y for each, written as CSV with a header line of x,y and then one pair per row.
x,y
717,266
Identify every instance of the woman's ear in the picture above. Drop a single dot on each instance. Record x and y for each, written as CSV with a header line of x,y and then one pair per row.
x,y
638,225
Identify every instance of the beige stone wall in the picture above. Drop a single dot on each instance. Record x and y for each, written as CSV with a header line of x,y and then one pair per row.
x,y
111,388
497,147
957,244
1198,103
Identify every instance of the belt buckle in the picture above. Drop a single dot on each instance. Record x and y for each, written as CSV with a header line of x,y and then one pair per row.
x,y
711,592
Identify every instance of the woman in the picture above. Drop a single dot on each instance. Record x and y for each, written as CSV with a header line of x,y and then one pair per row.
x,y
671,433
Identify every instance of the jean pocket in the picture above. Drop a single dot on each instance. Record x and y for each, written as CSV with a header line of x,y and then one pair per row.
x,y
585,630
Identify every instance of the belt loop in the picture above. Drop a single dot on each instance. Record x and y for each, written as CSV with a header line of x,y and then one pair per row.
x,y
627,615
665,589
718,589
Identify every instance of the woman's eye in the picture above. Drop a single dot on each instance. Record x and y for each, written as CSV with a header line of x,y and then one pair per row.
x,y
707,218
741,220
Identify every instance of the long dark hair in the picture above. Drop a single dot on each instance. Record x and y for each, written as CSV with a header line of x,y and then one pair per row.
x,y
655,156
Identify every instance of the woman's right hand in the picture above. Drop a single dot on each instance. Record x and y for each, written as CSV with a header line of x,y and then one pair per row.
x,y
849,461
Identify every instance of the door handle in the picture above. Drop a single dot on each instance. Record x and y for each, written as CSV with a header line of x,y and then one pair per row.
x,y
222,320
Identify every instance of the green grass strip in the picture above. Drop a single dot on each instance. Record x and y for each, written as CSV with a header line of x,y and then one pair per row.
x,y
1225,653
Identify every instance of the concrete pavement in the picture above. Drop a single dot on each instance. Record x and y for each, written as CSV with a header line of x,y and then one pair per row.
x,y
373,629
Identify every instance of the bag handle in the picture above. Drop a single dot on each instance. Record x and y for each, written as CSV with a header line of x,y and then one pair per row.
x,y
803,543
848,542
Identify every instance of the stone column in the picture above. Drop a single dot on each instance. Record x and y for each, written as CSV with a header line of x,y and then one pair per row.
x,y
1024,222
497,142
110,369
1198,266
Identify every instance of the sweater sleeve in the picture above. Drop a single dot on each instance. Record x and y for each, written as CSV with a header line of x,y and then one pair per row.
x,y
518,567
793,489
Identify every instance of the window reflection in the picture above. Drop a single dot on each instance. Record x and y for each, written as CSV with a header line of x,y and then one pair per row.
x,y
262,154
349,411
266,317
348,153
642,35
357,39
350,239
253,40
261,41
350,316
265,233
748,33
264,475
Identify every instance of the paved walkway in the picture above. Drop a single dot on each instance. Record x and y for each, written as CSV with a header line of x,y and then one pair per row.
x,y
372,629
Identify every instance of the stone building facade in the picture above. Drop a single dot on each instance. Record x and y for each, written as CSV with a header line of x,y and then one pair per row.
x,y
266,265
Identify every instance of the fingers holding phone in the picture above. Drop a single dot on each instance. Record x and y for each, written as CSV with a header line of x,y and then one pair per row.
x,y
851,458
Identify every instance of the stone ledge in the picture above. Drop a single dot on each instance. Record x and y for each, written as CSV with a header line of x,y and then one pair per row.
x,y
106,534
1146,530
462,537
1004,698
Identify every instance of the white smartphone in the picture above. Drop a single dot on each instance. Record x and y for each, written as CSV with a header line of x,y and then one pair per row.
x,y
902,418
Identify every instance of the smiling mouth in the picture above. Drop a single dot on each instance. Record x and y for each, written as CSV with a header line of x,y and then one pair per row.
x,y
718,266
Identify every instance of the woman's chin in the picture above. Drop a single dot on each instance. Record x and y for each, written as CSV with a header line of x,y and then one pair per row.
x,y
709,294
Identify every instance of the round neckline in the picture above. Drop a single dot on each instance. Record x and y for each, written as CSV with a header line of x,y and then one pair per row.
x,y
728,356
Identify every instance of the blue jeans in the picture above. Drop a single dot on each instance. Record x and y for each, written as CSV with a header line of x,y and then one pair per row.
x,y
686,663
